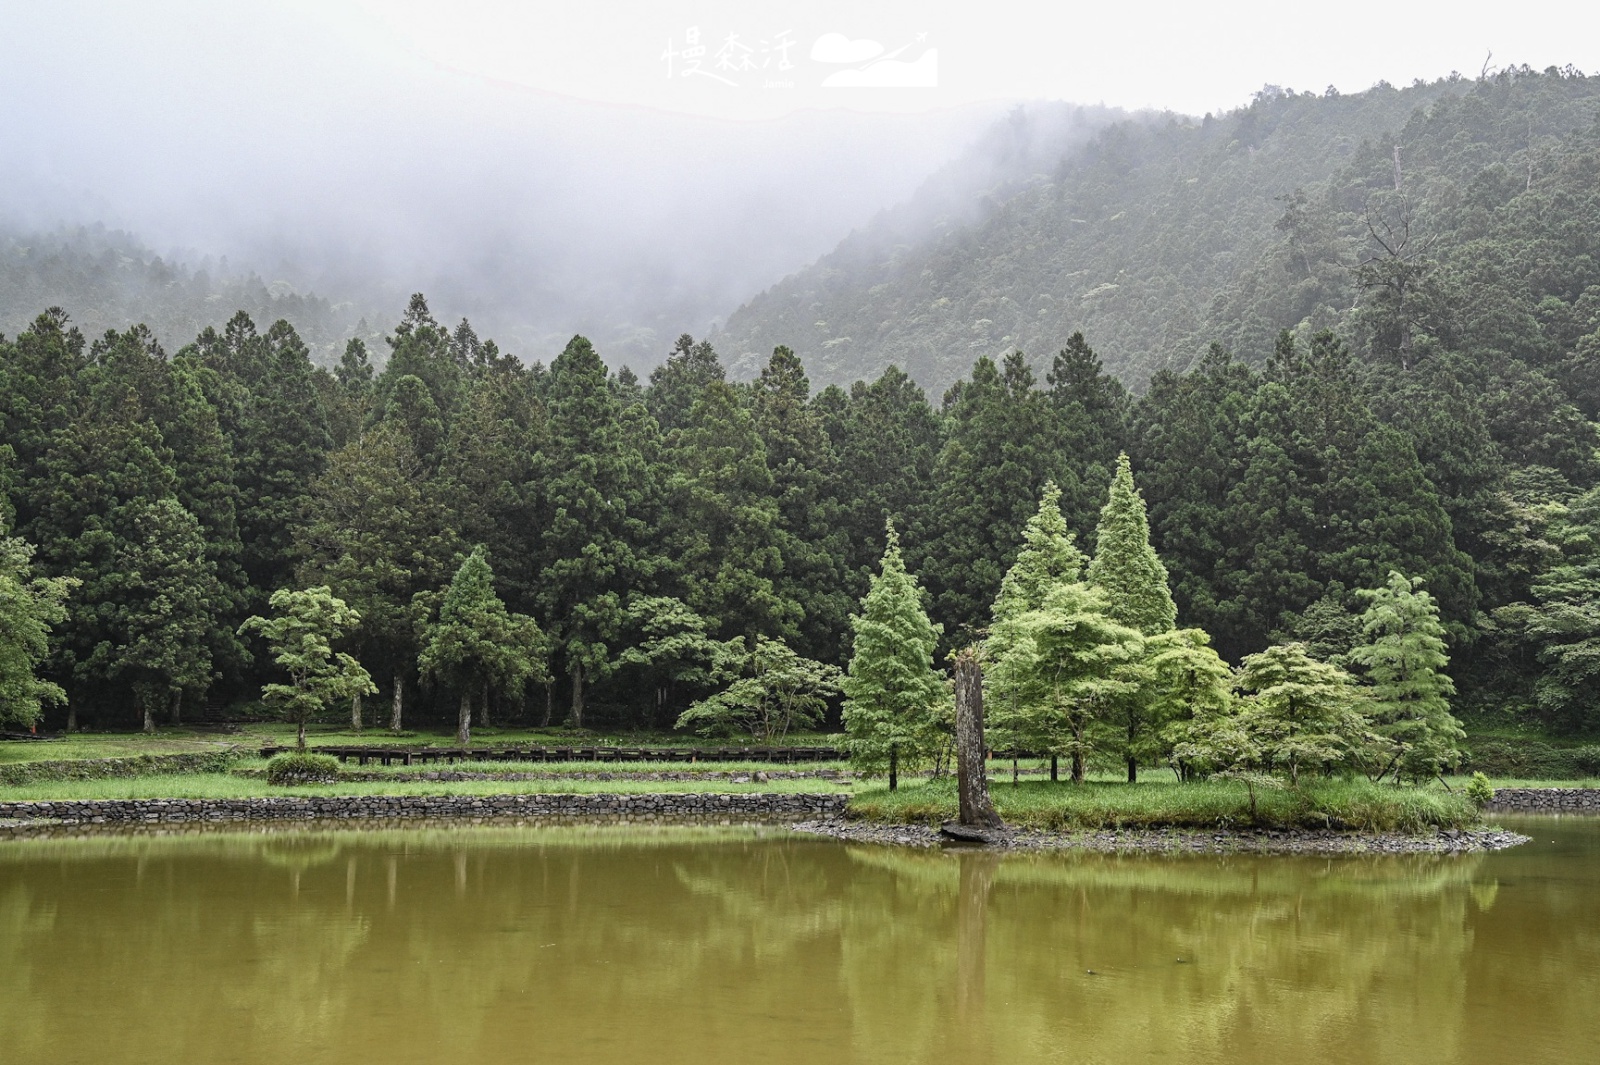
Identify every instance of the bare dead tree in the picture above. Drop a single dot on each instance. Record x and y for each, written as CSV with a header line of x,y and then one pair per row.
x,y
1395,270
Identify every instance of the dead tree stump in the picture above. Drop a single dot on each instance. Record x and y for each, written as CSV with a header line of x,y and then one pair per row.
x,y
972,780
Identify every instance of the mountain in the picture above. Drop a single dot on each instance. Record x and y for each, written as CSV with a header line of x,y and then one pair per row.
x,y
1162,233
107,279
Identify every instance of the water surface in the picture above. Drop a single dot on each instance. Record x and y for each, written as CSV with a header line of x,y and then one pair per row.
x,y
666,945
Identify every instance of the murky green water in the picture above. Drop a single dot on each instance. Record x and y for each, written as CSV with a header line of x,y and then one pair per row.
x,y
686,945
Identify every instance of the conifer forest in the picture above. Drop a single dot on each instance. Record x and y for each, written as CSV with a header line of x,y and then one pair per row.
x,y
1370,442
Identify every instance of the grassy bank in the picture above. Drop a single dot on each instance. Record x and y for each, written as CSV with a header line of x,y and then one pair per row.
x,y
1352,805
191,740
230,786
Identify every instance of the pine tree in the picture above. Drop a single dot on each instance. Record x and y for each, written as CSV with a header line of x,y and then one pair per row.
x,y
475,644
1057,670
376,532
1002,445
1404,656
1125,566
801,457
893,696
722,523
590,484
1049,557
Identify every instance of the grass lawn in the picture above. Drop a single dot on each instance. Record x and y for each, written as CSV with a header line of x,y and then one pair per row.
x,y
185,740
1357,805
229,786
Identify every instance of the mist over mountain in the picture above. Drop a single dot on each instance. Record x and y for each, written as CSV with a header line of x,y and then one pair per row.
x,y
1162,234
324,159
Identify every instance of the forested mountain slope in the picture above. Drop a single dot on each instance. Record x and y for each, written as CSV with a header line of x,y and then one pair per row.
x,y
112,281
1163,235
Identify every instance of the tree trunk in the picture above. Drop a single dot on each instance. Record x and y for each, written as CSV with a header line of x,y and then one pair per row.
x,y
399,700
1133,771
972,775
1055,771
72,716
464,718
149,718
177,707
300,734
549,703
894,767
483,707
355,712
575,719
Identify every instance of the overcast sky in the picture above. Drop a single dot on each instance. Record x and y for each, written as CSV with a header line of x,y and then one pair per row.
x,y
1189,56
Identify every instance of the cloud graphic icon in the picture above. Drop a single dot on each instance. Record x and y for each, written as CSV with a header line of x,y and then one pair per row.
x,y
890,74
837,48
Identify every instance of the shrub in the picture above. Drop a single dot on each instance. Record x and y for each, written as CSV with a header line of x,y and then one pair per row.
x,y
288,770
1479,791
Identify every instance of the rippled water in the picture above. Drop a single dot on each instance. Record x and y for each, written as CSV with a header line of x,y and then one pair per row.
x,y
566,944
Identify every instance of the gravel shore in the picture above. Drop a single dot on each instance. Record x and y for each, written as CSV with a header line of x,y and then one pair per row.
x,y
1176,841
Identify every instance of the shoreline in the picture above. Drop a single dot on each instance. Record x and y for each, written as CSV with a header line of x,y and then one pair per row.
x,y
1176,841
810,814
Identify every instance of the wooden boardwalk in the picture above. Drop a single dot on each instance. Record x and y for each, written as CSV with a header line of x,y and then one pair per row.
x,y
367,754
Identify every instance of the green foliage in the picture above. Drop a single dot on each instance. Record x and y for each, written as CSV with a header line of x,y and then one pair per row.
x,y
1299,712
1048,558
301,767
29,606
1125,566
475,644
300,637
893,696
768,690
1479,791
1057,670
1404,657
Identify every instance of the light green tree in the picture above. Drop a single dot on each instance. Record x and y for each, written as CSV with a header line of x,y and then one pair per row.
x,y
1125,566
300,636
475,644
893,696
769,689
1300,712
1188,688
1048,558
1403,654
29,606
1056,670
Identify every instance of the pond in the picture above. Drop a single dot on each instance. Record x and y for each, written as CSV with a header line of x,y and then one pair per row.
x,y
680,944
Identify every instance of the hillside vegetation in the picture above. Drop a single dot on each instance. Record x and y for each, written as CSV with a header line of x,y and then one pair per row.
x,y
1166,233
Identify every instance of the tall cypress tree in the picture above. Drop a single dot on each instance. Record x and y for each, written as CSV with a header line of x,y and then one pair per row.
x,y
893,697
1125,566
1048,558
801,457
589,484
1000,448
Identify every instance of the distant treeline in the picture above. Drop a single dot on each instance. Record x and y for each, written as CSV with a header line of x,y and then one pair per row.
x,y
182,490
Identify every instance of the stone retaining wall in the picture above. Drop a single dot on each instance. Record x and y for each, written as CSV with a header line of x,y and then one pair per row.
x,y
287,808
1551,799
